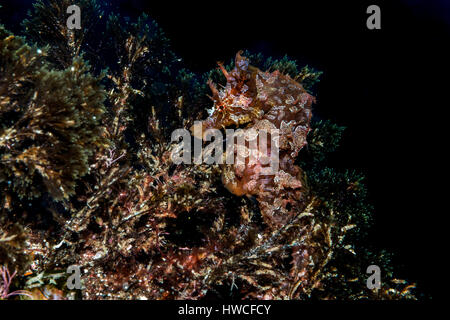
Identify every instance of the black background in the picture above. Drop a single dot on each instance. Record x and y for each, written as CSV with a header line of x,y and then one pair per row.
x,y
381,84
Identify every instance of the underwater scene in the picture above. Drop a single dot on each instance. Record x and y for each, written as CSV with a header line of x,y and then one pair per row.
x,y
136,168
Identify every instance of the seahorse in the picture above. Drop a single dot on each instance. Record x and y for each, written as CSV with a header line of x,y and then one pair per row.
x,y
253,99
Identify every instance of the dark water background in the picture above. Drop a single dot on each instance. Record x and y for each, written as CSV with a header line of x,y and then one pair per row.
x,y
381,84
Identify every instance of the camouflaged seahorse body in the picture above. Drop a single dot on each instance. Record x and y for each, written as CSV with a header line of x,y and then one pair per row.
x,y
264,100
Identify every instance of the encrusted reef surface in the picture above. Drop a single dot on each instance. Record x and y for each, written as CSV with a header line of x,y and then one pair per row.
x,y
87,180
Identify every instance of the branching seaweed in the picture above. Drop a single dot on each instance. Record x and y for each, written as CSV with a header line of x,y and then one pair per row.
x,y
86,176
